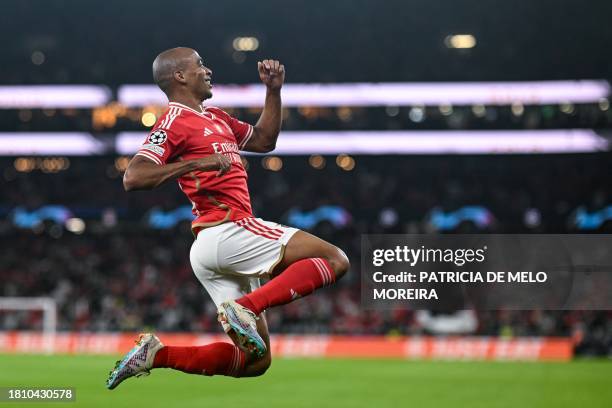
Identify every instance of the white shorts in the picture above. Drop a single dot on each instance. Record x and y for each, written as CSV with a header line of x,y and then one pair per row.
x,y
229,258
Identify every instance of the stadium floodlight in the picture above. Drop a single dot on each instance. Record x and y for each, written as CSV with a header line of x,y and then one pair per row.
x,y
49,143
337,142
53,96
390,94
48,307
420,142
441,142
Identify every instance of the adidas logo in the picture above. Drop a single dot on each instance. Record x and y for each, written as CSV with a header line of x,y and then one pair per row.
x,y
207,132
294,294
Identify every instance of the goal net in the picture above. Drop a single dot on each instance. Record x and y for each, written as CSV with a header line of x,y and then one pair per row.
x,y
46,305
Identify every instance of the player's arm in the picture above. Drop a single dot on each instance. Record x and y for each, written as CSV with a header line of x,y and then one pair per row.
x,y
144,174
265,132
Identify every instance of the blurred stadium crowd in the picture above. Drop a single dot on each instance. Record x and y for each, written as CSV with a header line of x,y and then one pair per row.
x,y
519,193
123,272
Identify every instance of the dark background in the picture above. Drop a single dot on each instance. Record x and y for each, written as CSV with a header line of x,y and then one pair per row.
x,y
114,42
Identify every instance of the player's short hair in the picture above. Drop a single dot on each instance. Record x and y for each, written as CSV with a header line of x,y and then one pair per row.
x,y
166,64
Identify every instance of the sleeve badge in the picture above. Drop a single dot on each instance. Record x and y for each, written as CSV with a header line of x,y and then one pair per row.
x,y
158,137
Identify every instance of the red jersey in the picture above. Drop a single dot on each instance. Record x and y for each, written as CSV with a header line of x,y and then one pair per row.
x,y
185,134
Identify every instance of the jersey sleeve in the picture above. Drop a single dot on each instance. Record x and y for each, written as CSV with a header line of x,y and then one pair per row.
x,y
242,130
161,146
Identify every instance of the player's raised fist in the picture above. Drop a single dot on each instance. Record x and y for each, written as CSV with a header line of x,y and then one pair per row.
x,y
271,73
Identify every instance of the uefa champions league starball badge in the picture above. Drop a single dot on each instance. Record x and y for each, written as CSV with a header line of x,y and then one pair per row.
x,y
158,137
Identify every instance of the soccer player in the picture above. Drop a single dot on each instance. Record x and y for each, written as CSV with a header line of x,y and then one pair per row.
x,y
200,146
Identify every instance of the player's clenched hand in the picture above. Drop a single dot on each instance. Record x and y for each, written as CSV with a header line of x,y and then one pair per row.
x,y
216,161
271,73
223,163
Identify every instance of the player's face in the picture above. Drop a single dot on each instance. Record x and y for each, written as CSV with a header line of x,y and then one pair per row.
x,y
199,77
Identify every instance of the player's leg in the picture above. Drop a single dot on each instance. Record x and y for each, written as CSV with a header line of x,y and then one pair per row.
x,y
303,245
219,358
254,247
256,365
307,264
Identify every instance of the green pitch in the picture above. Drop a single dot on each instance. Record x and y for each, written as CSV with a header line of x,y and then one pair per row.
x,y
325,383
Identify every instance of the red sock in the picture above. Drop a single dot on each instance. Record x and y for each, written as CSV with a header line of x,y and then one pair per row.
x,y
299,279
216,358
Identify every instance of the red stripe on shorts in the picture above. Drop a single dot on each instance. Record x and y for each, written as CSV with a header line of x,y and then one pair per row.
x,y
263,229
244,224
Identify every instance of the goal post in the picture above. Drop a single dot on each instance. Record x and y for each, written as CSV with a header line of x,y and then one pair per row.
x,y
47,305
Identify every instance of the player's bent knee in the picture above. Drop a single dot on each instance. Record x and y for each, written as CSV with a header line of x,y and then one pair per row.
x,y
339,263
260,366
266,362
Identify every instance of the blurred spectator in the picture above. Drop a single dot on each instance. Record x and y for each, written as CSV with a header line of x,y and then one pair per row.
x,y
125,276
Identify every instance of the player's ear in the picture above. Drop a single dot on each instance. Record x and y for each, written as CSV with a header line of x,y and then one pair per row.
x,y
179,76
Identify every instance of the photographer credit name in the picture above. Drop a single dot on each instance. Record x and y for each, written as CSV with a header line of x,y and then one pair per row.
x,y
445,277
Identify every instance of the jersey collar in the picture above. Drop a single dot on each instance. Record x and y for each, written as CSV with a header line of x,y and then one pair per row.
x,y
203,113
